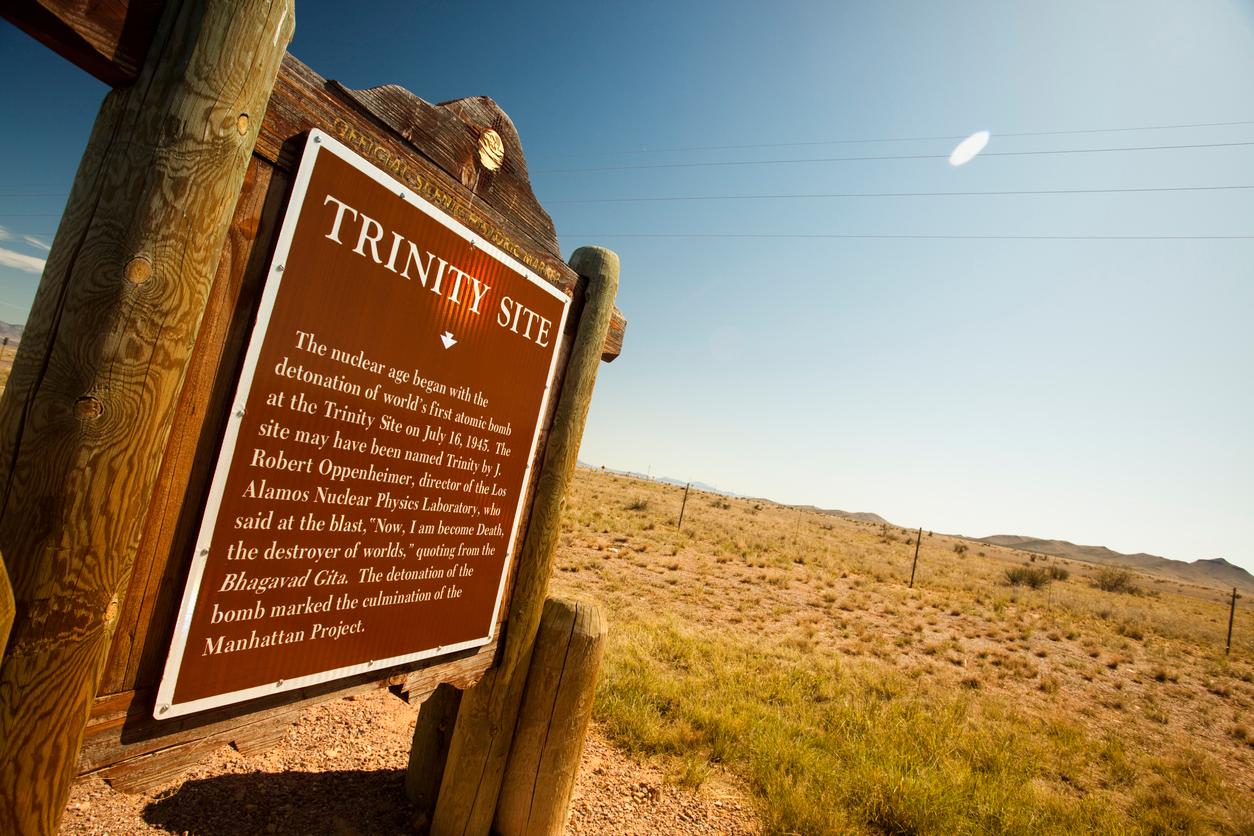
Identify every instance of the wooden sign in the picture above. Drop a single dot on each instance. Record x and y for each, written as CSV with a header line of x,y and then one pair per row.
x,y
369,488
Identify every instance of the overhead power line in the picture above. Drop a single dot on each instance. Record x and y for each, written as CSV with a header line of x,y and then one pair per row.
x,y
947,138
804,195
914,236
725,163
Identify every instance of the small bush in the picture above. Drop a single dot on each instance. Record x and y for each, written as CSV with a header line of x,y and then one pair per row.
x,y
1132,630
638,505
960,548
1057,573
1116,580
1029,576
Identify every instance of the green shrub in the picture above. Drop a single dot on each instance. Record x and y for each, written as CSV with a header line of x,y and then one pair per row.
x,y
1029,576
1116,580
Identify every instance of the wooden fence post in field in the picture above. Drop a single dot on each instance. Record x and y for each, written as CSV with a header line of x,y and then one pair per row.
x,y
489,710
682,506
552,721
87,410
1232,615
918,540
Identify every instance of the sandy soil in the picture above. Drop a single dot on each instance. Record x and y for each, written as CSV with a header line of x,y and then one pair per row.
x,y
340,770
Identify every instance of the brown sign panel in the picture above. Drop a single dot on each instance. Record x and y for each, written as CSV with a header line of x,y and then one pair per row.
x,y
367,496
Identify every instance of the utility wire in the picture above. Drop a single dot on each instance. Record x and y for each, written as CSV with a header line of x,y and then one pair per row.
x,y
665,199
813,142
912,236
711,164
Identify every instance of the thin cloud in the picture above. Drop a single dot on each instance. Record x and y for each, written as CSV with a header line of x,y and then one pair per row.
x,y
5,234
26,263
38,243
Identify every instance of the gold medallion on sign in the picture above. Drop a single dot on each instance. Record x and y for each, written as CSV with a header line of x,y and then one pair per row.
x,y
491,150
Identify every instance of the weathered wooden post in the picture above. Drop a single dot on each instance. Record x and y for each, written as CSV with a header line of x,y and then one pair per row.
x,y
553,721
682,506
429,750
918,540
86,413
486,719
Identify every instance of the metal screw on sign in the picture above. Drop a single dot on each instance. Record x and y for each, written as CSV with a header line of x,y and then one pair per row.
x,y
278,269
164,709
278,684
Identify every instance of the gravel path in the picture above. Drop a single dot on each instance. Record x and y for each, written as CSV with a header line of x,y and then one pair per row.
x,y
340,770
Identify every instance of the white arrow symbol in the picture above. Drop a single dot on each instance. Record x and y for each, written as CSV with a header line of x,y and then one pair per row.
x,y
447,339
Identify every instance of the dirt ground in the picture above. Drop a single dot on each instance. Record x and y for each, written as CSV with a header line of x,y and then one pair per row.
x,y
340,771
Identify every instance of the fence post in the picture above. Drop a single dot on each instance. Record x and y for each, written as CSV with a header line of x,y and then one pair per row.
x,y
682,506
918,540
86,413
485,721
1232,614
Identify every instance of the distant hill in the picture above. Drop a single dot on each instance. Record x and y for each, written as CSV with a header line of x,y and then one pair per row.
x,y
13,332
1209,572
700,486
863,516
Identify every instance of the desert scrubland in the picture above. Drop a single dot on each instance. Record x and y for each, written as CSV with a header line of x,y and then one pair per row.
x,y
1006,692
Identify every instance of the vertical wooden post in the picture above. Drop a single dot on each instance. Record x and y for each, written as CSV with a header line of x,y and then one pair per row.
x,y
918,540
682,506
428,752
485,721
553,721
1232,615
86,413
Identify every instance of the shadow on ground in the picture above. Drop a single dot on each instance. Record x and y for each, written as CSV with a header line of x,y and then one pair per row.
x,y
334,803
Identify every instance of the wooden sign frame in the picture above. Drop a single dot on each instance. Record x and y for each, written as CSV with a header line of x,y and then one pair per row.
x,y
317,143
433,149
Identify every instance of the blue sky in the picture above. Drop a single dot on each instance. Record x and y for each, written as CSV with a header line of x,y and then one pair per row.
x,y
1092,390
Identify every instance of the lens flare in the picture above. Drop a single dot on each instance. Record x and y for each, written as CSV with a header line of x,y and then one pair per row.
x,y
968,148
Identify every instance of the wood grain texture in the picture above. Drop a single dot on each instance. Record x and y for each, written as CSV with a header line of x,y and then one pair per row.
x,y
486,718
424,146
141,641
6,606
429,750
107,38
85,416
122,726
553,721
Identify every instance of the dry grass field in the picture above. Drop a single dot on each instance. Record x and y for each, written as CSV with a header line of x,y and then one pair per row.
x,y
784,647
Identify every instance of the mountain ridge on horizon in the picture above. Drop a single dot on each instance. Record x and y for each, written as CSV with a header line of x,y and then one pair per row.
x,y
1213,571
